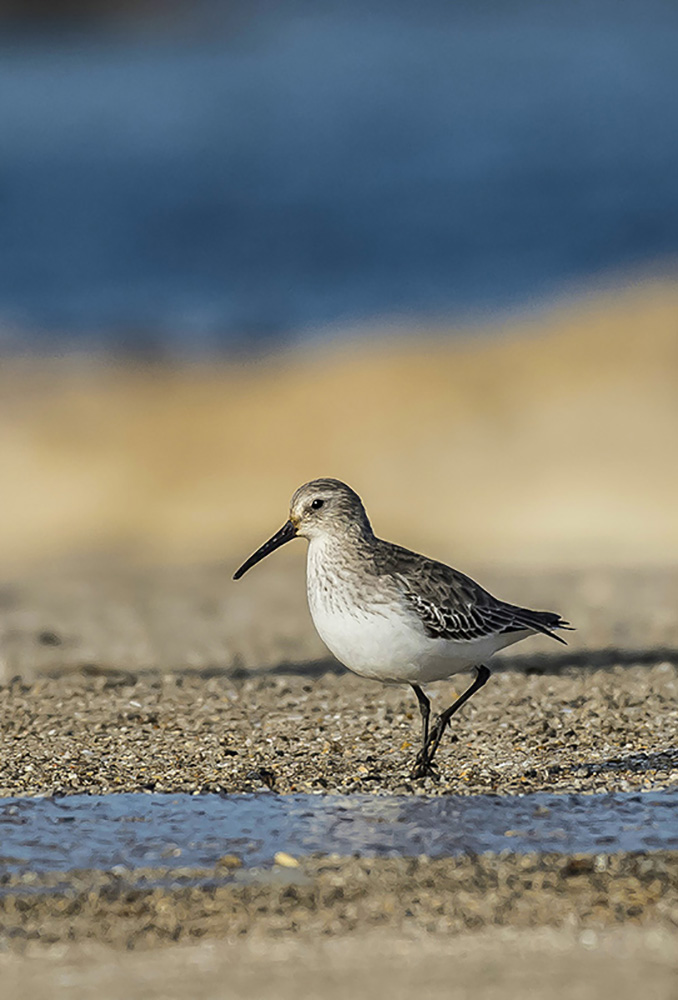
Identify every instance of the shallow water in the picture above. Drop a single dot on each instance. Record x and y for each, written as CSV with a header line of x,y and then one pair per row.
x,y
150,831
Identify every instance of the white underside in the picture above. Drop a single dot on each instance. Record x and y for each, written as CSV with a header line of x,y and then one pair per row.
x,y
382,643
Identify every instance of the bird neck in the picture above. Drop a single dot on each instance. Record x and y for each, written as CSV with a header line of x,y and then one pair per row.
x,y
351,545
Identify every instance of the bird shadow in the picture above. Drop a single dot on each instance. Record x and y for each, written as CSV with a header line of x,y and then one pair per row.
x,y
637,763
586,659
632,763
535,663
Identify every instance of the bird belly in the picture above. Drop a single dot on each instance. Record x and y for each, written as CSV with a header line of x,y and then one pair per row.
x,y
453,656
389,648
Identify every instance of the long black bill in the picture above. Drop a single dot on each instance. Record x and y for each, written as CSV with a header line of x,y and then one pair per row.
x,y
286,534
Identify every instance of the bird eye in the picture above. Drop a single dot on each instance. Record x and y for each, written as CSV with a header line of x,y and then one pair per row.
x,y
317,503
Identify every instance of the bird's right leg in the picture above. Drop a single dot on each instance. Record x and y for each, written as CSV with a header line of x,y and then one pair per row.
x,y
422,765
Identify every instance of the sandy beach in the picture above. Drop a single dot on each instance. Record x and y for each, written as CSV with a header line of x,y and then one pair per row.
x,y
581,730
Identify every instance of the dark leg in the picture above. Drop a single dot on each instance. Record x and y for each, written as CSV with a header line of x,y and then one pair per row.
x,y
425,709
444,717
423,765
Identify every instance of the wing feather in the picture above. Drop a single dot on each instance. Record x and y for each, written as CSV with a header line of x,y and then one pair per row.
x,y
450,605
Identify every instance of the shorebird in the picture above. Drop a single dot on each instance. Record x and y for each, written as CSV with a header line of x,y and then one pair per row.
x,y
391,614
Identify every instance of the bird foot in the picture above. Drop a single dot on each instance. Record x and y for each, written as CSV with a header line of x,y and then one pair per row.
x,y
424,768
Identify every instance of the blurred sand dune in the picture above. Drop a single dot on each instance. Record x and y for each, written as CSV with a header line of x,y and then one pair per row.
x,y
552,442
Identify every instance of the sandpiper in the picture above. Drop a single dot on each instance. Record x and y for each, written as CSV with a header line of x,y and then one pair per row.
x,y
391,614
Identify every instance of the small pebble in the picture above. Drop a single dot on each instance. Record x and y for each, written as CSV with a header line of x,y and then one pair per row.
x,y
285,860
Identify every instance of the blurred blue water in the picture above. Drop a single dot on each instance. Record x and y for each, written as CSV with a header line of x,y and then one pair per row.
x,y
302,165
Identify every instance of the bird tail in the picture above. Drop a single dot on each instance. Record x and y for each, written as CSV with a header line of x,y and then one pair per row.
x,y
542,621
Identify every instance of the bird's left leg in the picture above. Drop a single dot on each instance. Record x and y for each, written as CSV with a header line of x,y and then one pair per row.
x,y
444,717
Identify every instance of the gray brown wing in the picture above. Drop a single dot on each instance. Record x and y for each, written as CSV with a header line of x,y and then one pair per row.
x,y
451,605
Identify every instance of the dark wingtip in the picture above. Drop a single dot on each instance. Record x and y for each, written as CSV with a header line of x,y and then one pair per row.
x,y
545,622
564,625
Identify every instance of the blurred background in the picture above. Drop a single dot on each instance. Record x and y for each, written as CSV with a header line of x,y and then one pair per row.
x,y
429,249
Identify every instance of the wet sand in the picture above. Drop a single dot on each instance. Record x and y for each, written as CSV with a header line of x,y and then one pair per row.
x,y
489,926
332,896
